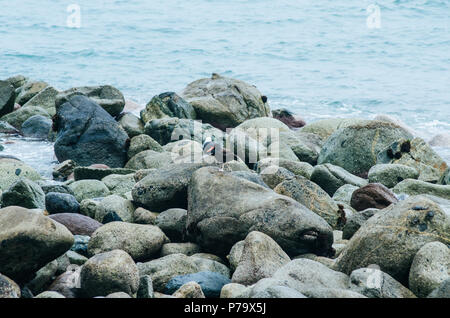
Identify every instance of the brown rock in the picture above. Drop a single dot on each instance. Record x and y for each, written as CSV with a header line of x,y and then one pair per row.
x,y
373,195
78,224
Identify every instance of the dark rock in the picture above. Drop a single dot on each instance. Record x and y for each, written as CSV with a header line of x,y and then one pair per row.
x,y
78,224
93,173
24,193
145,287
288,118
210,282
7,96
373,195
61,203
80,244
355,221
173,224
88,135
37,126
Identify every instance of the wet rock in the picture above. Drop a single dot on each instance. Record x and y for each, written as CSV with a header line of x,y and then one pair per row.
x,y
167,105
211,283
109,272
21,231
241,206
142,143
261,257
430,268
415,153
373,283
108,97
24,193
355,148
77,224
163,269
225,102
88,135
45,99
37,126
61,203
18,117
330,178
132,124
417,187
141,242
7,97
88,189
373,195
382,239
173,223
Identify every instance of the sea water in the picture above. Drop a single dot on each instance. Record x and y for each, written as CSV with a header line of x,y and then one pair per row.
x,y
320,59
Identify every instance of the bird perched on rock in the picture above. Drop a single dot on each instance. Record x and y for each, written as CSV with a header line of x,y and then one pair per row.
x,y
221,154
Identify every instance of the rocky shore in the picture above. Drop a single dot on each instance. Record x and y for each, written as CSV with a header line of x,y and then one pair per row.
x,y
139,208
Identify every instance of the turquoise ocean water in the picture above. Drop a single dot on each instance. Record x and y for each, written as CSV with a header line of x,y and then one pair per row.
x,y
317,58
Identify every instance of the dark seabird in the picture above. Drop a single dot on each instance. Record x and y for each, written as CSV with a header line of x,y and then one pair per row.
x,y
221,154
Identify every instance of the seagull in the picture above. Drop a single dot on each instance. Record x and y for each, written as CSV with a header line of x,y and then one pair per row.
x,y
221,154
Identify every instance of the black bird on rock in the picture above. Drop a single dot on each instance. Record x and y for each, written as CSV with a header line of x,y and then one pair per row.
x,y
221,154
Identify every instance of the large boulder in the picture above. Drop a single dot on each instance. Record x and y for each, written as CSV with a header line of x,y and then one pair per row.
x,y
415,153
430,267
165,188
223,209
45,99
12,170
225,102
18,117
108,97
163,269
24,193
109,272
373,195
330,178
7,96
77,224
417,187
355,148
261,257
393,236
88,135
326,127
141,242
167,105
29,241
391,174
314,198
